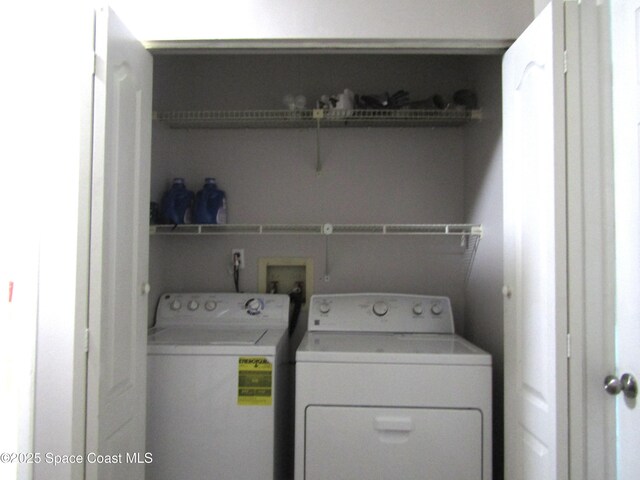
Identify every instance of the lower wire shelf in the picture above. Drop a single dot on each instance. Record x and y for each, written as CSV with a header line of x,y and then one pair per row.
x,y
469,234
463,230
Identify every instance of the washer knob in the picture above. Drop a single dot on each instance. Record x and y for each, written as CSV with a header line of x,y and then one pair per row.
x,y
325,307
193,305
175,305
210,305
436,308
418,309
380,309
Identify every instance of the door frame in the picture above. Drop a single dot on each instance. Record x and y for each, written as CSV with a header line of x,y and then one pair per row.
x,y
589,157
590,231
61,355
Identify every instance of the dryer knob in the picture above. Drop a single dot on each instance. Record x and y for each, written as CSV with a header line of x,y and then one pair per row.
x,y
210,305
193,305
380,309
418,309
254,306
436,308
175,305
325,307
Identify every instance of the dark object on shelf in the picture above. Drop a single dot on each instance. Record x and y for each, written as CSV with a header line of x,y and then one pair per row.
x,y
466,98
384,100
434,102
210,206
154,213
176,203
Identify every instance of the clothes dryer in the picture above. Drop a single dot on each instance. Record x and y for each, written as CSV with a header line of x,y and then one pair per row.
x,y
385,389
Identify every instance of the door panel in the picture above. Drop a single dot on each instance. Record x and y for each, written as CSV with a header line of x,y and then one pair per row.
x,y
119,250
626,103
535,254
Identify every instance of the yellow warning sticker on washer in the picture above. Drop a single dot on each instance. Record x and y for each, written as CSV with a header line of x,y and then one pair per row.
x,y
255,380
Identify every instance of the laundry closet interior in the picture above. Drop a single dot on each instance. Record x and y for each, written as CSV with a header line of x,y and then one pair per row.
x,y
425,176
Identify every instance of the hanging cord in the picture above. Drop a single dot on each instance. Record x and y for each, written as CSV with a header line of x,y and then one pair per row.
x,y
236,271
296,296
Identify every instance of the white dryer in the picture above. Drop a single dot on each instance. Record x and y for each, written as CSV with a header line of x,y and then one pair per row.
x,y
386,390
217,395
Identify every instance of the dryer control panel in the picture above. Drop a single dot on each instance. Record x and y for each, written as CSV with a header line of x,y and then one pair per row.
x,y
223,309
373,312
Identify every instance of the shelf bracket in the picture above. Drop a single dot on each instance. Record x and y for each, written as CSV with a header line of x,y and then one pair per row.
x,y
326,277
318,115
471,256
474,235
327,230
477,231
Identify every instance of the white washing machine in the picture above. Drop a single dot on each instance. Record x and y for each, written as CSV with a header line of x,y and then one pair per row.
x,y
386,390
217,395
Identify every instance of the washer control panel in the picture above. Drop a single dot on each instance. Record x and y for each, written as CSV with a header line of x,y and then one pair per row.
x,y
373,312
223,309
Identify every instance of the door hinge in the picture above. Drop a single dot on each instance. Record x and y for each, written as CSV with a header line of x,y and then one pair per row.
x,y
94,65
86,340
568,345
566,68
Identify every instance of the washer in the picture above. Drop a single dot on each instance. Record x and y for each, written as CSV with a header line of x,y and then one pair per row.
x,y
385,389
217,391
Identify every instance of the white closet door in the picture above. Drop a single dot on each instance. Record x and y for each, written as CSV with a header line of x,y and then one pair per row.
x,y
119,252
535,252
626,108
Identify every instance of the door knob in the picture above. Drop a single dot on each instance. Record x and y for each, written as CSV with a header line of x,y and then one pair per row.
x,y
626,384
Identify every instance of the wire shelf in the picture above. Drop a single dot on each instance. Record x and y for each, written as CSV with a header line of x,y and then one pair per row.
x,y
194,119
461,230
469,235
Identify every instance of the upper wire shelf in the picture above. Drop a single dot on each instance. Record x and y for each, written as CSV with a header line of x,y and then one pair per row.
x,y
316,118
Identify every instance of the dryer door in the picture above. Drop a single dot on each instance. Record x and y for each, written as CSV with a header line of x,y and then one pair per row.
x,y
393,443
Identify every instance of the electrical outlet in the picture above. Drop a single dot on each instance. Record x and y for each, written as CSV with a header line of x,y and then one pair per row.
x,y
240,253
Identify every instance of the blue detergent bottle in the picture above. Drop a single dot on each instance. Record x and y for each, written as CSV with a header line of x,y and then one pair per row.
x,y
176,203
211,204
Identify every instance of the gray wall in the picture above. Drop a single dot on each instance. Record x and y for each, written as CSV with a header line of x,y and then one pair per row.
x,y
483,204
411,175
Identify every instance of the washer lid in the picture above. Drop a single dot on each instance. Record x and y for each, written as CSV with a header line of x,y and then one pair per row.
x,y
415,348
204,336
